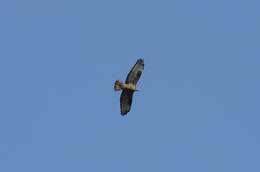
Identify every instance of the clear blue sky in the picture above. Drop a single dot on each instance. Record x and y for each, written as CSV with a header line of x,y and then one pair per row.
x,y
198,108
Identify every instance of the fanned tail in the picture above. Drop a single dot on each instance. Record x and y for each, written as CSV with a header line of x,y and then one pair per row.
x,y
118,85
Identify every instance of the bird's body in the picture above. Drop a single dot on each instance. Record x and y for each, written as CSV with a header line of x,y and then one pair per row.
x,y
129,87
122,86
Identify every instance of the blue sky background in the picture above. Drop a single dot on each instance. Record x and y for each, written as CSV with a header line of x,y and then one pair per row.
x,y
198,109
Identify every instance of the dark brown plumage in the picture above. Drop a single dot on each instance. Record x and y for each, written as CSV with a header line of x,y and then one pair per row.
x,y
129,87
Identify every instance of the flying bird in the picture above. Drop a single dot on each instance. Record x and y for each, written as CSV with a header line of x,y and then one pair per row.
x,y
129,87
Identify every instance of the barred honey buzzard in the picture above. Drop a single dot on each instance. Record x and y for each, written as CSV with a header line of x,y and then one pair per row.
x,y
129,87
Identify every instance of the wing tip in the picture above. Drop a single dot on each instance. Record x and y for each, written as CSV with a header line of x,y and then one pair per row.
x,y
140,60
124,113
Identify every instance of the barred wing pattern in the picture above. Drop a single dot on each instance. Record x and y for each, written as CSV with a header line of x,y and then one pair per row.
x,y
126,101
135,73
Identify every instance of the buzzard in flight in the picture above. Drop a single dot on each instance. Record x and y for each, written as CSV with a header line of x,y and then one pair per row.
x,y
129,87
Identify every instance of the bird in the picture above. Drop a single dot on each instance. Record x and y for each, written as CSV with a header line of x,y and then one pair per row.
x,y
129,87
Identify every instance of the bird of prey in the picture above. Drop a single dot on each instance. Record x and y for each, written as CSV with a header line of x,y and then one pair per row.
x,y
129,87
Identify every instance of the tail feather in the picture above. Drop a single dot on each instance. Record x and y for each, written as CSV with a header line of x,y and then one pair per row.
x,y
118,85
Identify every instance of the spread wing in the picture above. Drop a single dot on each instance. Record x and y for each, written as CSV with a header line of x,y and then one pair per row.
x,y
135,73
126,101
